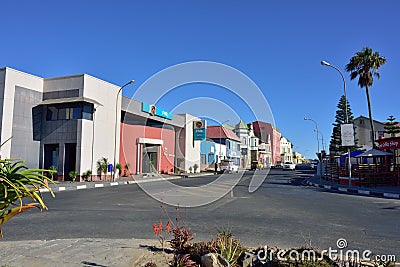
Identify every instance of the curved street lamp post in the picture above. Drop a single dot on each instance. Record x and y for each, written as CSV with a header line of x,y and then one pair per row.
x,y
324,63
115,129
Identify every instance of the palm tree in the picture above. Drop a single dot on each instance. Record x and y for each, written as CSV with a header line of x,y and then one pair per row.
x,y
365,65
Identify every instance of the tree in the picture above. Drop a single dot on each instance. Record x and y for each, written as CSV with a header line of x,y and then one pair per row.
x,y
365,65
335,145
392,126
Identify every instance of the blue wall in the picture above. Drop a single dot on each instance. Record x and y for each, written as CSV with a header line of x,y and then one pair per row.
x,y
205,149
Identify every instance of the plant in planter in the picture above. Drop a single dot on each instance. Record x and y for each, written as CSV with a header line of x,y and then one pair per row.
x,y
102,166
195,167
118,167
126,169
53,171
88,175
73,175
190,169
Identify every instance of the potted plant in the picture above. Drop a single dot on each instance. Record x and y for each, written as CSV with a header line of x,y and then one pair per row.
x,y
126,169
190,169
87,175
118,167
195,167
73,175
102,166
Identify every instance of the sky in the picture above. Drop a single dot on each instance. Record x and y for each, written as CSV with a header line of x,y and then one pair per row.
x,y
276,45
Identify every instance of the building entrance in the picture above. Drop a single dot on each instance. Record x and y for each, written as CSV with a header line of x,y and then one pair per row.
x,y
149,158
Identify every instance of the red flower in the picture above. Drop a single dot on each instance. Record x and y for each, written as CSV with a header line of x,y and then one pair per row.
x,y
168,227
160,226
155,229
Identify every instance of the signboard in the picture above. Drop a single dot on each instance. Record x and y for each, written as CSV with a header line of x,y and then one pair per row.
x,y
155,111
199,130
347,134
389,143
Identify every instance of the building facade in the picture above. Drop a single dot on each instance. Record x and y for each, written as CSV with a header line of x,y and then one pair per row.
x,y
266,131
227,143
286,148
363,132
71,122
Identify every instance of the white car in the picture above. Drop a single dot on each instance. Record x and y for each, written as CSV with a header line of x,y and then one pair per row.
x,y
289,166
229,166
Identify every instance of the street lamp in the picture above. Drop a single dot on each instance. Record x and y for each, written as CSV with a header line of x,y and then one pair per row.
x,y
318,152
324,63
116,125
322,139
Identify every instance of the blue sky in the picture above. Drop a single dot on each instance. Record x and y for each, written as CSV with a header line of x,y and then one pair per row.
x,y
277,44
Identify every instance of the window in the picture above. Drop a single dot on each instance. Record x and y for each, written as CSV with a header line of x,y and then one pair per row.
x,y
51,114
69,111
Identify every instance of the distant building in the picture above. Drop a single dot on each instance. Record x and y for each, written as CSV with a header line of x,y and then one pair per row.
x,y
299,158
268,133
227,143
363,132
286,150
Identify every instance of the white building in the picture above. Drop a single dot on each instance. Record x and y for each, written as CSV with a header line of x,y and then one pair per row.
x,y
286,150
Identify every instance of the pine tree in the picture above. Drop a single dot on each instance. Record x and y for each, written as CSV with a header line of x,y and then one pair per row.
x,y
391,126
335,146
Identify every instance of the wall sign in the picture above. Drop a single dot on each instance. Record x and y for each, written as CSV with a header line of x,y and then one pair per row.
x,y
155,111
199,130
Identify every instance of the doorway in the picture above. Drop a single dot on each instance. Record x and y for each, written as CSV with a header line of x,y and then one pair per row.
x,y
69,160
149,158
50,156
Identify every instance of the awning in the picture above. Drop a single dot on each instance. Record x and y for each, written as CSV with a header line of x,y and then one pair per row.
x,y
69,100
373,153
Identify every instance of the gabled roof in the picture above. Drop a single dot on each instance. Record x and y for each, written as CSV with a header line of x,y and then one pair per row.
x,y
221,132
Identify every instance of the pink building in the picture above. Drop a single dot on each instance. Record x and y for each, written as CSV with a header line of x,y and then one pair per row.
x,y
262,130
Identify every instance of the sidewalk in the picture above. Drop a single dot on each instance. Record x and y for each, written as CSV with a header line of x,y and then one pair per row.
x,y
133,179
379,191
79,252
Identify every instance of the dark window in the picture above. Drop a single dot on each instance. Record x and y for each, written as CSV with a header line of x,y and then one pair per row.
x,y
51,114
69,111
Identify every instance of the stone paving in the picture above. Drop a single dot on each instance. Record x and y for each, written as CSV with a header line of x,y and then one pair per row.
x,y
76,252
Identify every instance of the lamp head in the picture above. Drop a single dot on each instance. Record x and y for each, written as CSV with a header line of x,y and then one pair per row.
x,y
131,81
305,118
323,62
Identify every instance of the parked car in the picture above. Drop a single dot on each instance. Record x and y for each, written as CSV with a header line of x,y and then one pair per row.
x,y
289,166
229,166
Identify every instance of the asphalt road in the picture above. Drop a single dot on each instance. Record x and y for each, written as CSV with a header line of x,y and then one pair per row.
x,y
283,212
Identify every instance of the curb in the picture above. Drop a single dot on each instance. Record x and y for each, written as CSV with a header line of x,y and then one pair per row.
x,y
102,185
356,191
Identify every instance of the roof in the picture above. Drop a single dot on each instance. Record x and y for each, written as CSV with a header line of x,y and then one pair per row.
x,y
365,118
68,100
221,132
241,125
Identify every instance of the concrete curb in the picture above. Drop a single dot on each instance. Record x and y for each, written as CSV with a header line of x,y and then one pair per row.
x,y
353,191
93,185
